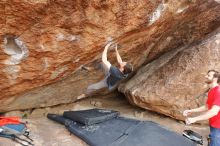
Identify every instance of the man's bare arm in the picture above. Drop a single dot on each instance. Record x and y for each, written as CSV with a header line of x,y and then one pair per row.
x,y
104,56
196,110
117,55
209,114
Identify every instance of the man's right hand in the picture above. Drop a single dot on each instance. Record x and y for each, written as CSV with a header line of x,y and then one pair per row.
x,y
186,113
109,44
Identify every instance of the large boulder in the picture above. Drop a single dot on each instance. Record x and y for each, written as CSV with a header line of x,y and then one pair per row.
x,y
175,81
46,46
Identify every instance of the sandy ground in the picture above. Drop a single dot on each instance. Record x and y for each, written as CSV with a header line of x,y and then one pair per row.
x,y
48,133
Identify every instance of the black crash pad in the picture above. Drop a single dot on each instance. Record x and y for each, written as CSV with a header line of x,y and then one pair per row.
x,y
123,132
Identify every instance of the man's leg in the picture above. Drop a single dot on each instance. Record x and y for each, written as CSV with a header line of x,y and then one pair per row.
x,y
215,136
94,87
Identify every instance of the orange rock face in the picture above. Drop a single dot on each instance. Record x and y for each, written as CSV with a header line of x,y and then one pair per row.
x,y
44,45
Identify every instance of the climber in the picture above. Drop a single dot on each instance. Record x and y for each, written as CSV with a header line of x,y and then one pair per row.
x,y
211,109
112,74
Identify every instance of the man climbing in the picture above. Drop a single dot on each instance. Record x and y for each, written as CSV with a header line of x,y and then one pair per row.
x,y
212,108
112,74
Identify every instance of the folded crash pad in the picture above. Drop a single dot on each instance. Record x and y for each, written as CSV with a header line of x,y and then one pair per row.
x,y
122,131
91,116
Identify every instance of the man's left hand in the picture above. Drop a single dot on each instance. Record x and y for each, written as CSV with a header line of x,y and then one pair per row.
x,y
190,121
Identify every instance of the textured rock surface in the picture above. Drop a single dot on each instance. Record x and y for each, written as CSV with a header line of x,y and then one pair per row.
x,y
44,43
173,82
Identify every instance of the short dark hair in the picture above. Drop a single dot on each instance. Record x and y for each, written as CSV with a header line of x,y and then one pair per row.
x,y
128,68
216,74
212,70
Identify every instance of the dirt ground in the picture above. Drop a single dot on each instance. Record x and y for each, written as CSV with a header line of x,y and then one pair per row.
x,y
45,132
